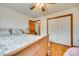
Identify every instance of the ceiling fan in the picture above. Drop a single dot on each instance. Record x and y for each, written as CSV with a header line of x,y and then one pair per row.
x,y
42,6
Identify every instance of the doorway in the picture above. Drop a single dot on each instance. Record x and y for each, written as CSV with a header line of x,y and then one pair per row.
x,y
34,27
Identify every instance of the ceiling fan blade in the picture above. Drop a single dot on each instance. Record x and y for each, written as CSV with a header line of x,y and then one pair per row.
x,y
33,6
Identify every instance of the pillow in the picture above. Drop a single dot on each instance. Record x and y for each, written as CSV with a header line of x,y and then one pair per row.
x,y
4,32
16,31
26,31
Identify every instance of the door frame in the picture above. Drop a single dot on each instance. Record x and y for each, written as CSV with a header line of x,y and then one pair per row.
x,y
39,26
71,24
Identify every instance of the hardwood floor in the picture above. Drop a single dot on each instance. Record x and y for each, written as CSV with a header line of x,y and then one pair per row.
x,y
57,49
44,48
39,48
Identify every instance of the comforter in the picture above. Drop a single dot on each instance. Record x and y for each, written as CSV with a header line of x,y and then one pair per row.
x,y
9,44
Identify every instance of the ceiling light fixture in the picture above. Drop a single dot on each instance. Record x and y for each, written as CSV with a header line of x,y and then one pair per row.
x,y
40,5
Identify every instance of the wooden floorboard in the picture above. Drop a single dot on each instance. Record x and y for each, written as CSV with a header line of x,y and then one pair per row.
x,y
57,49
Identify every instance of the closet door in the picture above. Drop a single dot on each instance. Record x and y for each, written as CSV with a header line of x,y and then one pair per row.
x,y
64,33
52,30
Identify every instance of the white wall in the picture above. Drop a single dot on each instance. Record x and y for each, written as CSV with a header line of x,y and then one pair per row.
x,y
12,19
74,11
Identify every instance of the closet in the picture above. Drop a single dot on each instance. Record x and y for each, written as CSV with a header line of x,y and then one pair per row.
x,y
60,30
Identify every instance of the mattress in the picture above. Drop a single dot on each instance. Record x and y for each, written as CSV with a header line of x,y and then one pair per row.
x,y
12,44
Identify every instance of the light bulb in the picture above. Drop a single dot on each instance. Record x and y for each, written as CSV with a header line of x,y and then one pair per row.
x,y
40,5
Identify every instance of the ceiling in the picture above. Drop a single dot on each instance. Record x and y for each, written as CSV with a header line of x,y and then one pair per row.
x,y
24,8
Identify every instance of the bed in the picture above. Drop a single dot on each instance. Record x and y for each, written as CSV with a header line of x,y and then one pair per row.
x,y
11,45
74,51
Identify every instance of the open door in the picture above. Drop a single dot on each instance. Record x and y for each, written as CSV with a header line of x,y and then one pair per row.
x,y
34,27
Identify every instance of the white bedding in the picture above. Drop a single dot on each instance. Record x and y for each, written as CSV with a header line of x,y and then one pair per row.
x,y
14,43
